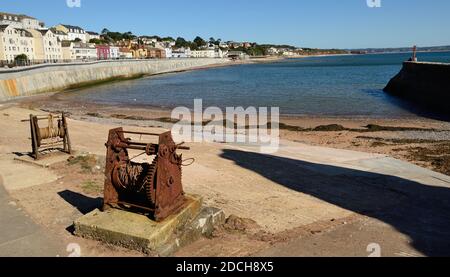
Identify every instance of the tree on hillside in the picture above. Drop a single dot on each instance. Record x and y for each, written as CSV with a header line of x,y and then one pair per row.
x,y
105,31
199,42
215,41
168,39
181,43
128,36
98,41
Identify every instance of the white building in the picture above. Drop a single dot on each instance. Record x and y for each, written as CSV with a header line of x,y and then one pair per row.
x,y
219,53
168,52
168,43
60,34
14,42
52,46
181,53
79,51
73,32
223,44
288,53
114,52
20,21
206,53
148,40
47,46
92,35
125,53
272,51
237,55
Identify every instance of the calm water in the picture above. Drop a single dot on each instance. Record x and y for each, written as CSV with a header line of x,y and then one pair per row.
x,y
340,85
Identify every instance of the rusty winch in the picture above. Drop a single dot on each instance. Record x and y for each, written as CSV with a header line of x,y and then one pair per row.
x,y
152,188
55,135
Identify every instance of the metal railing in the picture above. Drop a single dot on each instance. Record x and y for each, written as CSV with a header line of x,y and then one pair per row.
x,y
19,63
4,64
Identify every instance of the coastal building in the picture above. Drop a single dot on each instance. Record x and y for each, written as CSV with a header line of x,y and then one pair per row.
x,y
156,53
114,52
164,44
181,53
206,53
168,52
246,45
273,51
237,55
148,40
60,34
223,45
47,47
38,42
73,32
78,51
288,53
139,53
219,53
125,53
14,42
160,44
20,21
232,44
67,50
103,52
92,35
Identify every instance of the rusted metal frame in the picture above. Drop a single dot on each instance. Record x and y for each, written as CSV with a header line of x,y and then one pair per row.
x,y
162,179
139,133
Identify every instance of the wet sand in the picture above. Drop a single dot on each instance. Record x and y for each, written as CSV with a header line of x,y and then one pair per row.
x,y
422,141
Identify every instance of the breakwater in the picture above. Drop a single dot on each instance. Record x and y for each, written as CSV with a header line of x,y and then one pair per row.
x,y
29,81
427,84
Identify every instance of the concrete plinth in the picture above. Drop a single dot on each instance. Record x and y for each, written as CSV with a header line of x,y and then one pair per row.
x,y
138,232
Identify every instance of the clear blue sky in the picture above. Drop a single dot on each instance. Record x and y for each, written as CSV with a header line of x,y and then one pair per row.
x,y
305,23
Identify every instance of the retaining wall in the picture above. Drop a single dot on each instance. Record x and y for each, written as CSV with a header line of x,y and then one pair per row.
x,y
33,80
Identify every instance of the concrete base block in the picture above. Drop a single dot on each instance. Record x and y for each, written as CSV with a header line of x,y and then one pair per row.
x,y
202,226
138,232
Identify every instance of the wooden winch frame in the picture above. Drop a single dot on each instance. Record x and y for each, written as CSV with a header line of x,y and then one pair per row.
x,y
55,135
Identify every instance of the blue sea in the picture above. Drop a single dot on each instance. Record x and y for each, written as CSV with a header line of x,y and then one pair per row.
x,y
320,86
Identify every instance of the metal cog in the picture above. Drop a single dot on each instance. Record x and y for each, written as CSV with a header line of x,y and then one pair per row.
x,y
150,182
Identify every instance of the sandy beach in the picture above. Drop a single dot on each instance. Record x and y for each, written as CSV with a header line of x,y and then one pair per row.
x,y
420,140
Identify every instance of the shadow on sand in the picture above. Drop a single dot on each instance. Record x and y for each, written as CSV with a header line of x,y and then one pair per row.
x,y
83,203
419,211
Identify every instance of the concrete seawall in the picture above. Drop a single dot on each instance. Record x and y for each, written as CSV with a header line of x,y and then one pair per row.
x,y
57,77
427,84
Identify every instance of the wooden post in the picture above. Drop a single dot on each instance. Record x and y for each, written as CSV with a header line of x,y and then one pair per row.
x,y
66,136
34,142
